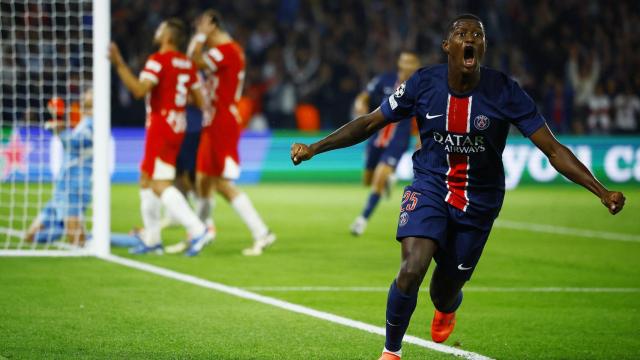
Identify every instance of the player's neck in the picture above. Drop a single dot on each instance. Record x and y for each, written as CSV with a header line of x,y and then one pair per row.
x,y
220,38
167,47
460,82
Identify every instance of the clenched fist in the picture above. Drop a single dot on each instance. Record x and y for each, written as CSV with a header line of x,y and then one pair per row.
x,y
300,153
614,201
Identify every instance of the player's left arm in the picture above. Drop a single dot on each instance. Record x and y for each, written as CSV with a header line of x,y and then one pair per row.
x,y
138,87
204,27
563,160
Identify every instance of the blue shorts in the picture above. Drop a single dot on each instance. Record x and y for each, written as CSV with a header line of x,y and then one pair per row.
x,y
460,237
188,154
389,155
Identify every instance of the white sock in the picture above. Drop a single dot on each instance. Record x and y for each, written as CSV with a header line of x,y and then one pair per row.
x,y
399,352
204,207
243,206
177,205
150,207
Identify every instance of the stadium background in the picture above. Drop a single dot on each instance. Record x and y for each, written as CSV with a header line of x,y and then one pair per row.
x,y
307,60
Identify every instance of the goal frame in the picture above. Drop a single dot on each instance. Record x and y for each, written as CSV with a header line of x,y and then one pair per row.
x,y
100,244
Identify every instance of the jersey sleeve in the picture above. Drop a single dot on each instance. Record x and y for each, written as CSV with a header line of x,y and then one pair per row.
x,y
151,71
215,59
400,105
522,111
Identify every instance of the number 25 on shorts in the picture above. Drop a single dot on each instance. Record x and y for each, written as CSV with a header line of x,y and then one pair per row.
x,y
409,200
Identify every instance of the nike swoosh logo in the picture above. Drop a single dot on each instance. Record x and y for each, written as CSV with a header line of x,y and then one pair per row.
x,y
460,267
429,117
391,323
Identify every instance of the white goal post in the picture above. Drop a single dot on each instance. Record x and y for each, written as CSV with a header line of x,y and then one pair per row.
x,y
54,148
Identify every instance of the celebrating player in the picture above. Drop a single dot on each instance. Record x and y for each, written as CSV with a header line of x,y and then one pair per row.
x,y
384,149
64,214
218,161
463,112
167,79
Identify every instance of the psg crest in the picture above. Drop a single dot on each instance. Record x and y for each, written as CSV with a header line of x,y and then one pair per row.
x,y
404,218
481,122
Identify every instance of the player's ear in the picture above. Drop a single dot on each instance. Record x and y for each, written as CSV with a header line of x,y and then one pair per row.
x,y
445,46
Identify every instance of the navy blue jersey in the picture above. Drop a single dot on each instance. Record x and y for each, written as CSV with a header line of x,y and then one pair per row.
x,y
395,134
463,135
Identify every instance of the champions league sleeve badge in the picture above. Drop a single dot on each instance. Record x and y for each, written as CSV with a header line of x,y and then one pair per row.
x,y
399,91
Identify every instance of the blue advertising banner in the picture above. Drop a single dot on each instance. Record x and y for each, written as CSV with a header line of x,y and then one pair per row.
x,y
34,155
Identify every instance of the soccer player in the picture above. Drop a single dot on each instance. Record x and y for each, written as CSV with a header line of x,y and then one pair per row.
x,y
218,162
63,215
385,148
463,111
167,79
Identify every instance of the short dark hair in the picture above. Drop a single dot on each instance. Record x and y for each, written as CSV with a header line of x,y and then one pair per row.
x,y
215,17
466,16
178,31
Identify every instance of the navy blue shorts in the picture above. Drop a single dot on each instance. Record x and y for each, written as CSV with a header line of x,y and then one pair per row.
x,y
389,155
460,237
188,153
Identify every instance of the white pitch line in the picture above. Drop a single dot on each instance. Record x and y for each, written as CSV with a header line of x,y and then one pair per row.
x,y
43,253
466,289
287,306
562,230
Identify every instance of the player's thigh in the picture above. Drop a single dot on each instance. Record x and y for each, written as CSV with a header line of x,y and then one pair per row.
x,y
416,257
381,174
466,238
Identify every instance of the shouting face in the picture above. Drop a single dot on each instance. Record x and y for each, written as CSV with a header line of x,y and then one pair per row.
x,y
465,45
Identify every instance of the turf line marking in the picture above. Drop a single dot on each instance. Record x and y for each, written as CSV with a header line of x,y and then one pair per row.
x,y
562,230
286,305
43,253
466,289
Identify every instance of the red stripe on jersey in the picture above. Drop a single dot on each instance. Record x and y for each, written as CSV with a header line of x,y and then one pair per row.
x,y
385,136
458,112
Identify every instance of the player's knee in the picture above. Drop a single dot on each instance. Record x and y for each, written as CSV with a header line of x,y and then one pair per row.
x,y
410,275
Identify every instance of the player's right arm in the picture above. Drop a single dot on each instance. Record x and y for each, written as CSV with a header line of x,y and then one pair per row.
x,y
138,87
349,134
397,107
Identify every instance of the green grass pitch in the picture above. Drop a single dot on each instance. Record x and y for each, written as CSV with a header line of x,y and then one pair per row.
x,y
89,308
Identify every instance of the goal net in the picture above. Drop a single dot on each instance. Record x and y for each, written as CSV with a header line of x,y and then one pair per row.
x,y
48,142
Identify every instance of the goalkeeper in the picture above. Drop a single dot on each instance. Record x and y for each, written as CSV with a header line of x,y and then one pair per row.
x,y
63,215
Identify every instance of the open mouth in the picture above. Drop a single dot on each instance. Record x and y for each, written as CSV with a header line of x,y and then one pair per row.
x,y
469,56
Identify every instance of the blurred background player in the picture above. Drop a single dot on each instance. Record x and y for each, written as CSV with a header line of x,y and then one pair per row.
x,y
218,163
186,164
63,215
168,78
387,146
